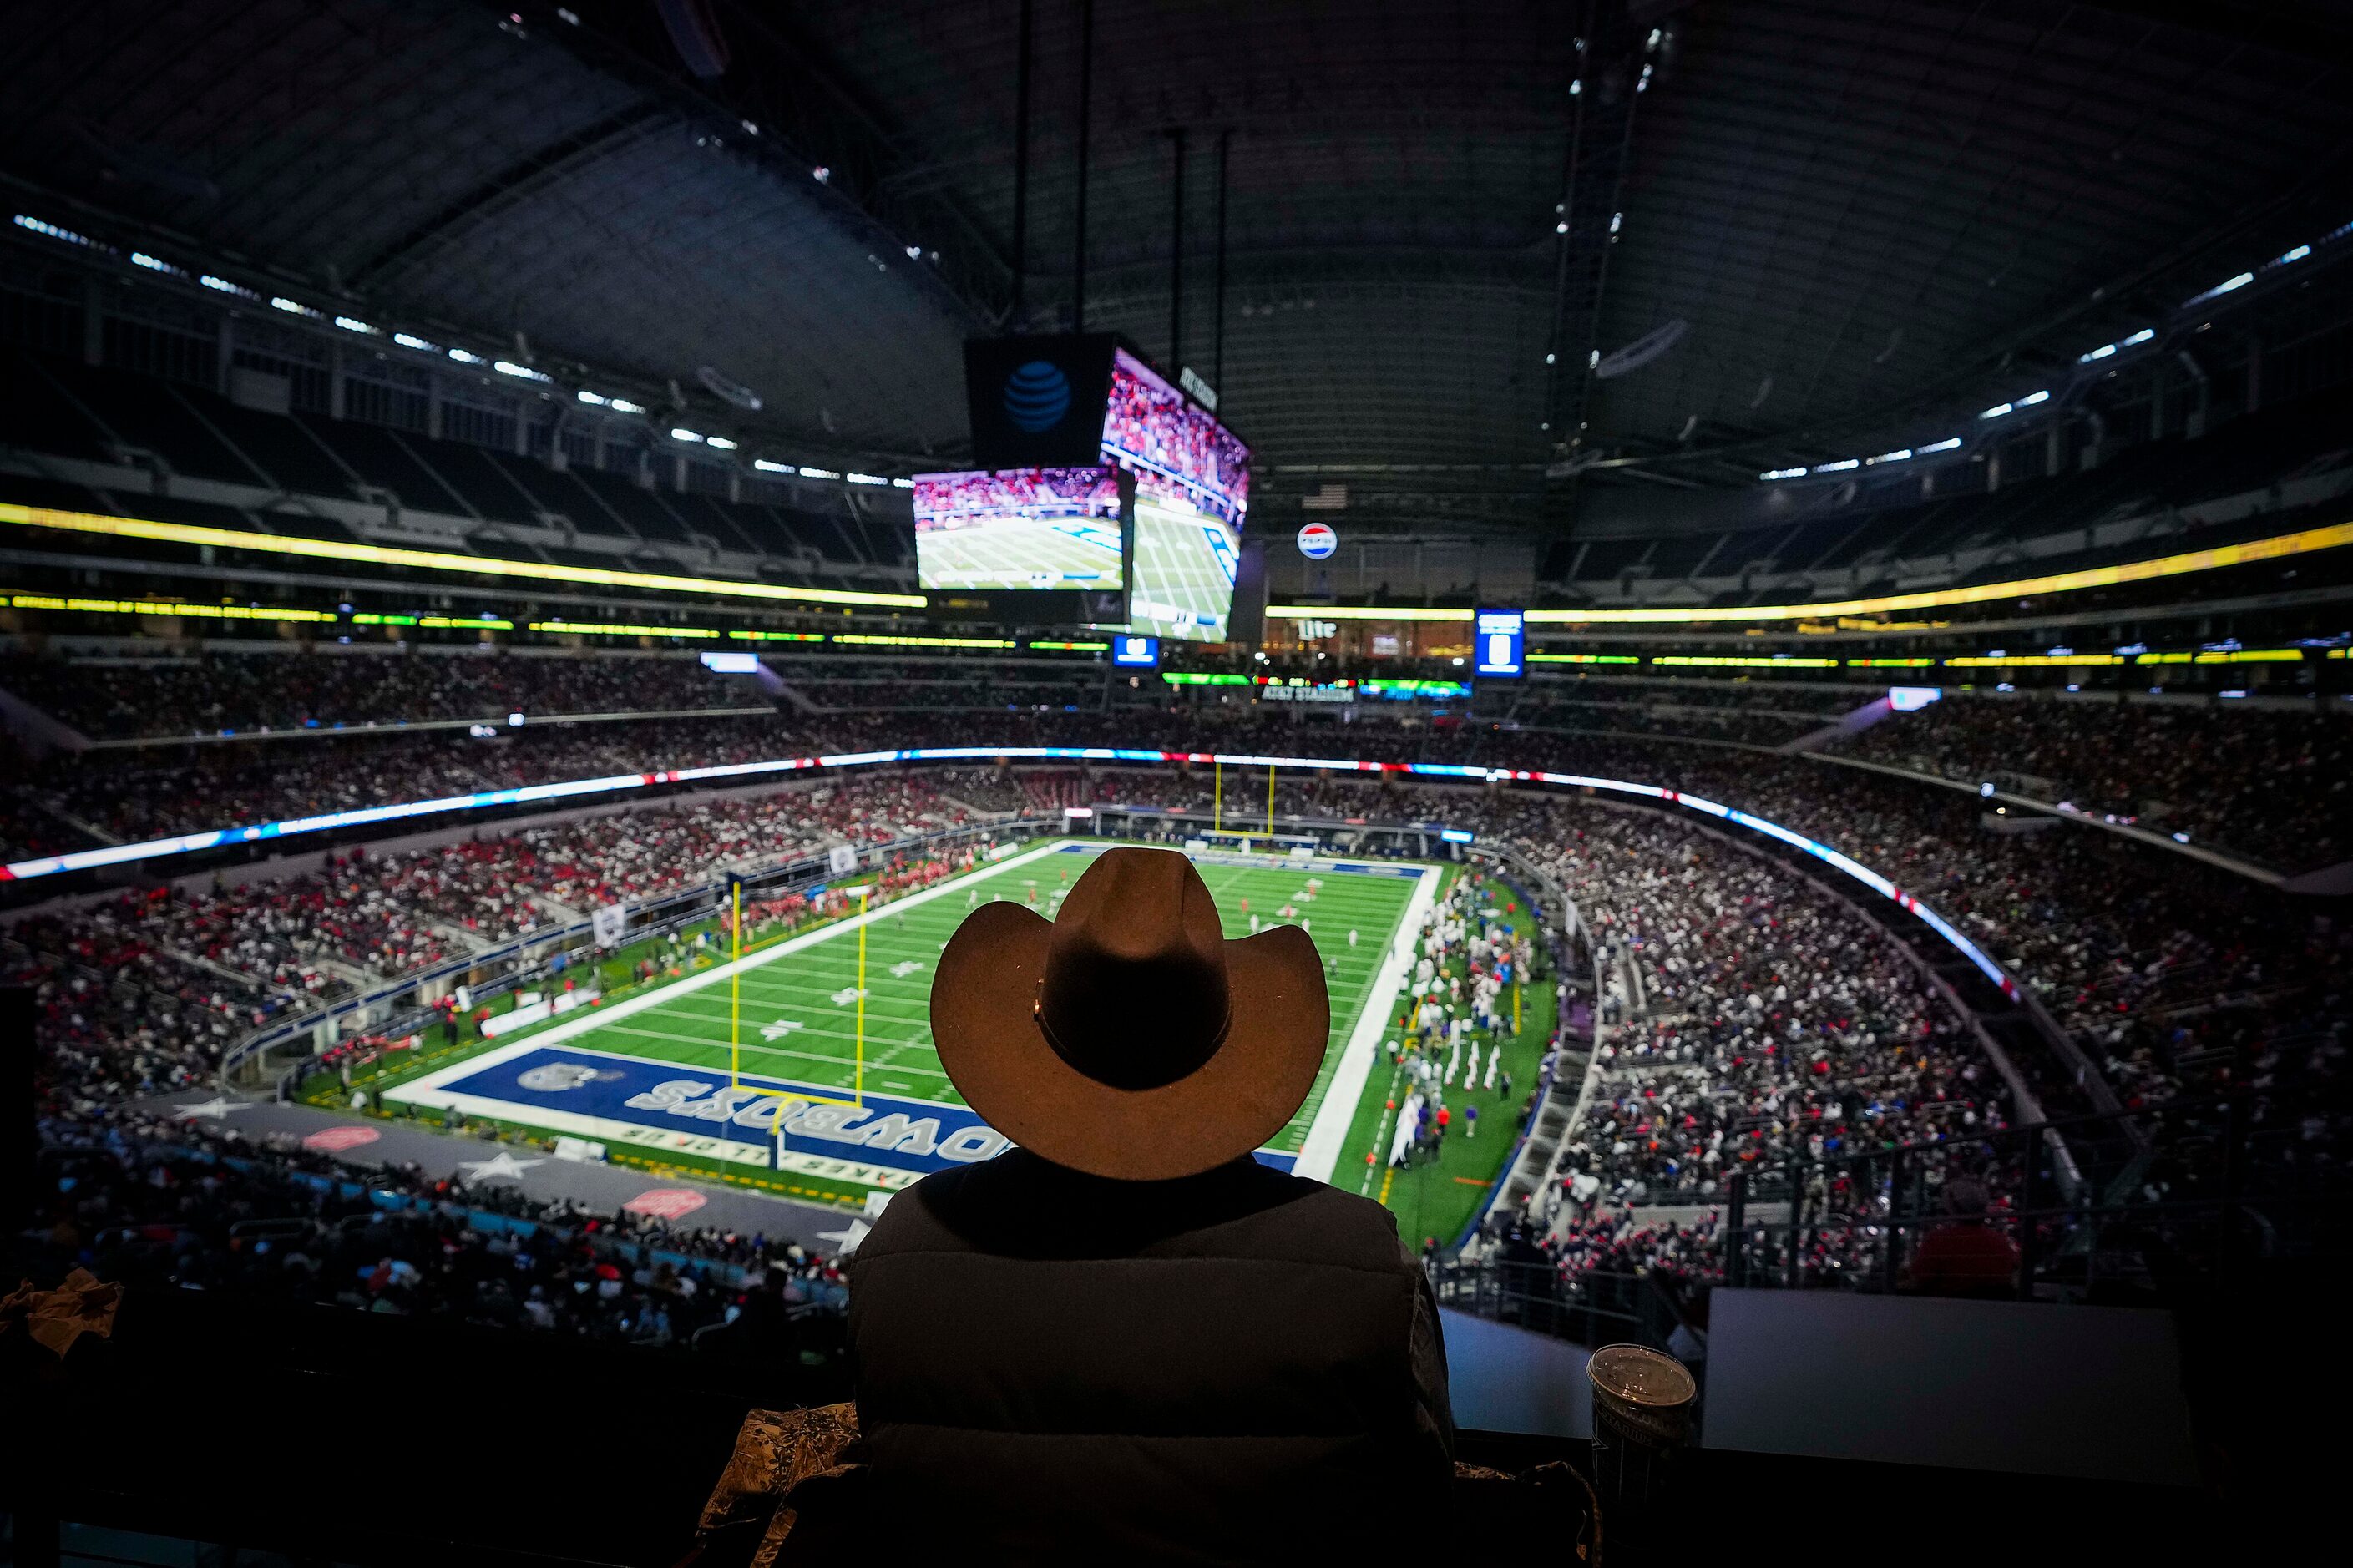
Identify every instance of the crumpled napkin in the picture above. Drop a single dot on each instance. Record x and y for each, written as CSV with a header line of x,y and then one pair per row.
x,y
784,1460
84,1304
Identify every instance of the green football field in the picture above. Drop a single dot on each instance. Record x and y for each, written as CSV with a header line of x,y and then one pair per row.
x,y
799,999
1021,552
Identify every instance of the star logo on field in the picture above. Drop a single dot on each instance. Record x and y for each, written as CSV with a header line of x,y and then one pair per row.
x,y
501,1164
903,968
845,1242
214,1109
780,1028
847,994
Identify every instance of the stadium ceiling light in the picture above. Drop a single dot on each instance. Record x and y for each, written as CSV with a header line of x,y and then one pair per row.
x,y
1561,227
680,433
855,477
1548,359
1576,87
721,442
902,484
436,559
222,285
820,474
38,226
2298,254
766,466
291,307
2224,287
1947,445
2031,398
409,340
597,399
1783,474
1897,456
156,264
2141,336
1842,465
2103,351
1997,411
914,253
623,405
353,324
464,356
521,372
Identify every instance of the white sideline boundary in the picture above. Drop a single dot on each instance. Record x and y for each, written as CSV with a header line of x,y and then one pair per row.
x,y
1319,1154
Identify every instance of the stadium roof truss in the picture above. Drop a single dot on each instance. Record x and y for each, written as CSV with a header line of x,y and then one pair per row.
x,y
1871,220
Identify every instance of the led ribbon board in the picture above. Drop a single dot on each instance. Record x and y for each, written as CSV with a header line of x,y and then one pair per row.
x,y
120,853
433,560
2332,537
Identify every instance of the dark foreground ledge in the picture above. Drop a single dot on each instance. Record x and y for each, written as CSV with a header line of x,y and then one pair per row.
x,y
365,1439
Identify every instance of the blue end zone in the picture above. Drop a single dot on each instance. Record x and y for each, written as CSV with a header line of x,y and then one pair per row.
x,y
889,1141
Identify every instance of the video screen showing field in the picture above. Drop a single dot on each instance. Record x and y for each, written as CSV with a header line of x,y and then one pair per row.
x,y
1021,528
1184,570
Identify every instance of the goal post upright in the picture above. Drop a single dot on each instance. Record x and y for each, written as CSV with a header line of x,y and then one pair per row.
x,y
858,1046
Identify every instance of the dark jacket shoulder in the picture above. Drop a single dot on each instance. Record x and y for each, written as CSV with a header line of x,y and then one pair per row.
x,y
1021,1205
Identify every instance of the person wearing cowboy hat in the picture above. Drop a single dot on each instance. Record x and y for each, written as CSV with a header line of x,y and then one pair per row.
x,y
1125,1338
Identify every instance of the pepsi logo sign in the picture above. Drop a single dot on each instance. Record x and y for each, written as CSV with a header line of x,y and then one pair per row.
x,y
1316,541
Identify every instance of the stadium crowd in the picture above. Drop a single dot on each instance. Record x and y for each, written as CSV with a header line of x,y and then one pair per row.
x,y
123,699
142,992
173,1204
2155,957
1775,1023
2277,786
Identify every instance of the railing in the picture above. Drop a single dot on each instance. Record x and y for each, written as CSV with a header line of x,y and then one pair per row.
x,y
1598,1307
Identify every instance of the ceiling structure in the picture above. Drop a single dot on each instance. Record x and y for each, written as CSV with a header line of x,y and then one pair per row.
x,y
1868,217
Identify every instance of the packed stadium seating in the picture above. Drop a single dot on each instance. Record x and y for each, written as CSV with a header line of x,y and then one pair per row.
x,y
163,1204
121,699
2277,787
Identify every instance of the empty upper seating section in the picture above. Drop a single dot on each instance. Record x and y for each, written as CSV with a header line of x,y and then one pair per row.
x,y
2258,455
70,410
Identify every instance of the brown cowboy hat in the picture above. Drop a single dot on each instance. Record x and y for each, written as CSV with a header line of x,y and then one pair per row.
x,y
1128,1039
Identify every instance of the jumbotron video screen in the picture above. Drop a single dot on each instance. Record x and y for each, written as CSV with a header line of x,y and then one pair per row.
x,y
1192,485
1184,570
1019,529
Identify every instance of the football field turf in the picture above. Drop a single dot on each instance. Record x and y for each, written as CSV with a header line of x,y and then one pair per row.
x,y
1022,552
619,1074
